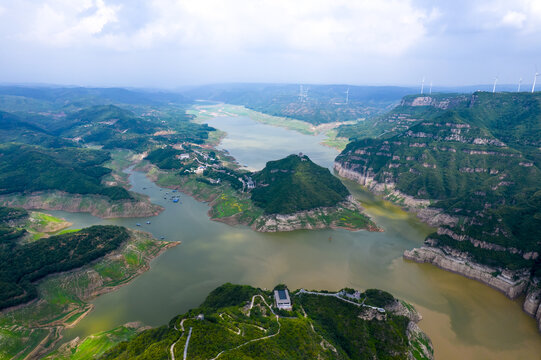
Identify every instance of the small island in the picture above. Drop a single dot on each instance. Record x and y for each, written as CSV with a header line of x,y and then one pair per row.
x,y
242,322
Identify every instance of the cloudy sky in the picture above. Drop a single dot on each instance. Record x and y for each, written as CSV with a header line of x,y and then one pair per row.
x,y
171,43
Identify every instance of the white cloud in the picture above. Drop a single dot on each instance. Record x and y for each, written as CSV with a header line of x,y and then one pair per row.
x,y
66,23
387,27
523,15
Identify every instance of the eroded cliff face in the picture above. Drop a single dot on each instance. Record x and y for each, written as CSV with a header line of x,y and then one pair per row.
x,y
319,218
99,206
512,283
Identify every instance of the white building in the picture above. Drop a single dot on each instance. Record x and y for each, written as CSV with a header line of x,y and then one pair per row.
x,y
282,300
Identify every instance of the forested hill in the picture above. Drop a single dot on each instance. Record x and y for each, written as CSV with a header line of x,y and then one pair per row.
x,y
239,322
294,184
476,157
21,265
316,104
25,169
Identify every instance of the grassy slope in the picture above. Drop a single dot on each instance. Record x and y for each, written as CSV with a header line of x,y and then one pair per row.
x,y
64,298
21,265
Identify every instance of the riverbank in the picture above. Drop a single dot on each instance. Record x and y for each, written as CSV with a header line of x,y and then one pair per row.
x,y
236,208
206,112
31,330
512,283
96,205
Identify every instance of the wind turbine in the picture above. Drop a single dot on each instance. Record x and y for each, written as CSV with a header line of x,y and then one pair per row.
x,y
519,83
347,96
494,87
535,80
431,88
422,85
301,93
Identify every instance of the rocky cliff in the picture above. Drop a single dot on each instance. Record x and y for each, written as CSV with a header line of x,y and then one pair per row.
x,y
467,166
512,283
347,215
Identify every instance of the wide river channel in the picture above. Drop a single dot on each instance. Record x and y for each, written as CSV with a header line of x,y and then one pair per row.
x,y
464,319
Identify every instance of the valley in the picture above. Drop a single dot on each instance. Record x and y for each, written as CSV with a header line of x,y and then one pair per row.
x,y
458,313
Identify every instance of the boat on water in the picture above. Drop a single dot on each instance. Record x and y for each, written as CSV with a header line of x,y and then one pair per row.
x,y
138,224
175,200
148,222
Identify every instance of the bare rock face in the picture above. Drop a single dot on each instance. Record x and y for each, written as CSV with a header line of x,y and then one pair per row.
x,y
460,264
532,300
317,218
538,317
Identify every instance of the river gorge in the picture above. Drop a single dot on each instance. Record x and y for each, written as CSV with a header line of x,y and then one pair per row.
x,y
460,315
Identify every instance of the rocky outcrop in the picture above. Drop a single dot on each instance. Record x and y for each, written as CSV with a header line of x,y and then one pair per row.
x,y
100,206
512,284
419,341
532,301
318,218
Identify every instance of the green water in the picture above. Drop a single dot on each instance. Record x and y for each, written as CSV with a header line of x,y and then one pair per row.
x,y
464,318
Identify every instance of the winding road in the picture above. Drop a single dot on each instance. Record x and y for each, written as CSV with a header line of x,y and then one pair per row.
x,y
258,339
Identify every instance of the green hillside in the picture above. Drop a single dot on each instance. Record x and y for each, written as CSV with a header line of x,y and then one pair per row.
x,y
476,160
25,169
320,103
14,128
294,184
239,322
21,265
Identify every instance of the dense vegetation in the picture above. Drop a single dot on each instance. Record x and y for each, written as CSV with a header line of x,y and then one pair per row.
x,y
294,184
21,265
165,158
319,327
114,118
9,218
26,169
477,158
321,103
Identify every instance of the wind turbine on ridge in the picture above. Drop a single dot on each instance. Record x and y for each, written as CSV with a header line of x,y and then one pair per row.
x,y
422,85
430,92
519,83
347,96
494,87
534,80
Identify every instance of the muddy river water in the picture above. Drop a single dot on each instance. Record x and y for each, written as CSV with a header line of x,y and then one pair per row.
x,y
464,319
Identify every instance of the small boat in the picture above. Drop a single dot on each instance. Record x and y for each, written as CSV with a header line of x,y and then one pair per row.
x,y
162,237
175,200
138,224
148,222
174,191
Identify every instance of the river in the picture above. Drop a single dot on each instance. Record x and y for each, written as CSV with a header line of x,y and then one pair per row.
x,y
462,317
